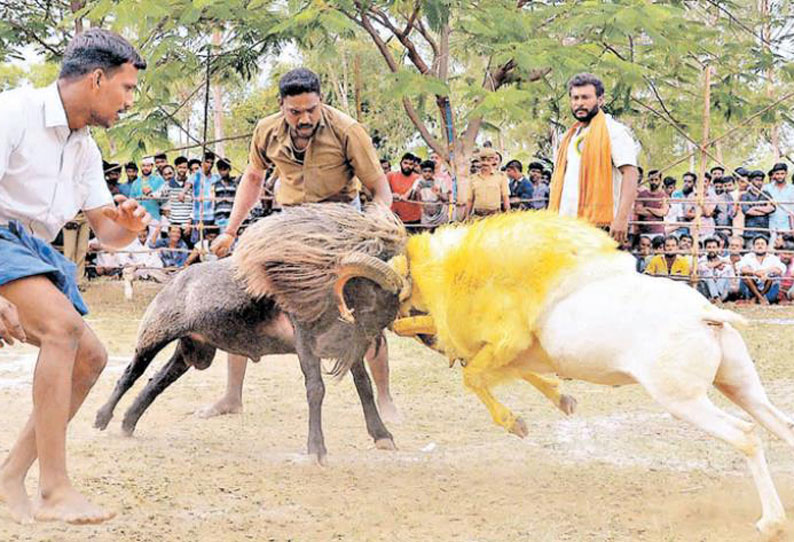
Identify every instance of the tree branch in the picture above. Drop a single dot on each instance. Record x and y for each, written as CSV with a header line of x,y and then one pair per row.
x,y
420,26
409,45
33,35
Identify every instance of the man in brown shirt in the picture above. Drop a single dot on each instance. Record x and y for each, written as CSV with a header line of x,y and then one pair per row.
x,y
489,190
320,155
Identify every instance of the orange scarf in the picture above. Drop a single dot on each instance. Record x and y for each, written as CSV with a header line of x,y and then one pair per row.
x,y
596,204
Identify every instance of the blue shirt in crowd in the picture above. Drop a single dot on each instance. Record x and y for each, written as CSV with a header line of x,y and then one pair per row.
x,y
172,258
154,183
204,211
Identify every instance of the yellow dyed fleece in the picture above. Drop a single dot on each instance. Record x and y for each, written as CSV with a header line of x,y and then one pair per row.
x,y
486,282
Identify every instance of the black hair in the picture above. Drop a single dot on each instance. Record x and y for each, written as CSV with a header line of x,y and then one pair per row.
x,y
193,161
223,163
180,160
668,237
169,166
428,164
653,172
669,180
160,156
683,235
408,156
690,174
657,242
535,165
131,165
98,48
584,79
515,164
209,155
718,167
708,240
298,81
760,236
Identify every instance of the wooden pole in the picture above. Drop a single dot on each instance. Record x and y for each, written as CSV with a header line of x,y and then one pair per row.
x,y
701,182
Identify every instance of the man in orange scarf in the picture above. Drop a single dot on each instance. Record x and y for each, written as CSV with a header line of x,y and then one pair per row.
x,y
595,176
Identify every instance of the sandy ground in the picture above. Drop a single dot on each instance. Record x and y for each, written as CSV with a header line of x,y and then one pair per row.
x,y
620,470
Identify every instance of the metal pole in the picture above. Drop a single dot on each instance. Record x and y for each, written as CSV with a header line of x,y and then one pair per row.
x,y
701,184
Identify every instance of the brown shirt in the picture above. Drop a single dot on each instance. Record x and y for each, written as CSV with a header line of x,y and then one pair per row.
x,y
339,154
488,191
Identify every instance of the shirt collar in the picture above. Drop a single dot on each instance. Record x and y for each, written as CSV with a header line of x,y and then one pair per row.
x,y
54,113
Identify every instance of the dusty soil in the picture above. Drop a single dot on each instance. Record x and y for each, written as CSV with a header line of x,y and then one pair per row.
x,y
619,470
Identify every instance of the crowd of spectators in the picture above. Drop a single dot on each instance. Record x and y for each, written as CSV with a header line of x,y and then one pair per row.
x,y
745,238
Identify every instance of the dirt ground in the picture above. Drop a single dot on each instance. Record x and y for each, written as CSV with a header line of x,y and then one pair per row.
x,y
621,469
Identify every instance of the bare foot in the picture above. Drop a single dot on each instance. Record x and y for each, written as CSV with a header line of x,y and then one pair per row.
x,y
388,411
12,492
70,506
224,406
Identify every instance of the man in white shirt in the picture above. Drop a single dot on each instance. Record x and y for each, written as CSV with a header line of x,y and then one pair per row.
x,y
51,169
760,271
579,187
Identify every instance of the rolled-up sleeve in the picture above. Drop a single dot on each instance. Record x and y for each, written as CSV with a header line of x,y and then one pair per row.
x,y
96,189
255,155
624,147
361,154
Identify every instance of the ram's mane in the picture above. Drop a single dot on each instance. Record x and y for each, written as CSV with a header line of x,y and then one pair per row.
x,y
293,256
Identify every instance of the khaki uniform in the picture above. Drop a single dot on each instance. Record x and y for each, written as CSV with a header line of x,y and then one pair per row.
x,y
488,191
75,243
339,154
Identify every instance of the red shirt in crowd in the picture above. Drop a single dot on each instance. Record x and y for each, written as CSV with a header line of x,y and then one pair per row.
x,y
401,186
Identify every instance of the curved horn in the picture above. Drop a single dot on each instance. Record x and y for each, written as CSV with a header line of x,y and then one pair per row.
x,y
363,265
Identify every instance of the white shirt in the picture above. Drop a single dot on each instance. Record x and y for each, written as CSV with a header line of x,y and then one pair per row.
x,y
624,153
771,263
47,172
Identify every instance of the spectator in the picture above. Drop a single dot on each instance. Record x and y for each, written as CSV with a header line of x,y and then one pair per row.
x,y
670,263
757,206
717,276
780,221
401,183
545,177
160,161
645,253
786,255
725,210
488,191
652,206
146,188
707,224
735,251
112,176
716,172
685,248
442,175
202,186
432,194
758,270
201,251
385,165
107,261
131,170
173,250
225,190
194,165
595,172
474,165
520,187
139,261
540,188
675,209
180,200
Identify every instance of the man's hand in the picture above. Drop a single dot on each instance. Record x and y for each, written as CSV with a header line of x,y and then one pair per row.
x,y
619,229
147,190
129,214
10,328
222,244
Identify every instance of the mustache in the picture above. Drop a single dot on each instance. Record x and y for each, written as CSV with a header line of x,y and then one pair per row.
x,y
305,126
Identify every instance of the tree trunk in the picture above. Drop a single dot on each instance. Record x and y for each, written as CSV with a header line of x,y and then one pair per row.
x,y
217,101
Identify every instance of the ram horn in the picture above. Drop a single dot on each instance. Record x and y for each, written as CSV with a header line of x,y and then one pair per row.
x,y
363,265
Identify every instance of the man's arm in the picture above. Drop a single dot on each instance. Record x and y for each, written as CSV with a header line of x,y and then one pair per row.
x,y
247,195
628,194
662,211
381,191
